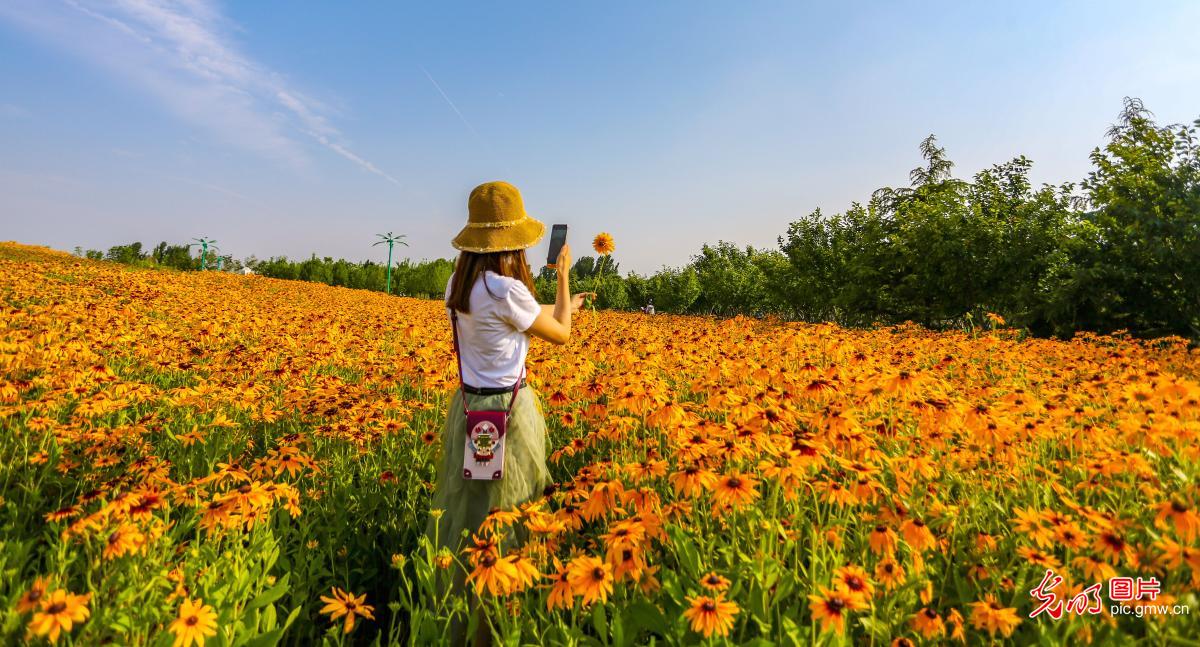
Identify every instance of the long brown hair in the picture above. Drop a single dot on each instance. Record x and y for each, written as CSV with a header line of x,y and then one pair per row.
x,y
471,265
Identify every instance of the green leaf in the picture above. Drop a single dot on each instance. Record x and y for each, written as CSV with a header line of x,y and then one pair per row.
x,y
618,629
269,639
600,622
270,595
644,616
792,631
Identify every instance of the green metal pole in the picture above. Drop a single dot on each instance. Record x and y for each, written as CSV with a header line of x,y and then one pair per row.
x,y
389,270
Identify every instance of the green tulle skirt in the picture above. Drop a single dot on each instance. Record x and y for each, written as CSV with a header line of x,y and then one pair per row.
x,y
465,503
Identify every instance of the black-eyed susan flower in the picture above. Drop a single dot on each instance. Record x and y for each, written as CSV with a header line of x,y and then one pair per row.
x,y
832,607
929,624
195,623
59,612
711,615
692,481
889,573
714,582
495,575
561,596
343,604
32,598
855,580
590,578
735,489
603,244
882,540
991,616
917,535
1182,518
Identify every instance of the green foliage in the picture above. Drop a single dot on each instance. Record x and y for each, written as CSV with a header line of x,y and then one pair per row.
x,y
945,250
128,254
673,290
732,281
1142,271
426,278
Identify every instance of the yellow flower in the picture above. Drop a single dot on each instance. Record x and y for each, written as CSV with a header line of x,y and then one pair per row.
x,y
711,615
590,578
991,616
603,244
32,598
496,575
59,612
831,608
346,604
196,622
714,582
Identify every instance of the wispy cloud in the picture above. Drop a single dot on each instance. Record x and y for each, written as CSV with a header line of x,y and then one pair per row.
x,y
180,52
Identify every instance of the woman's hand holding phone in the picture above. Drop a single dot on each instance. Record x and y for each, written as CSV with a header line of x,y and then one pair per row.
x,y
563,266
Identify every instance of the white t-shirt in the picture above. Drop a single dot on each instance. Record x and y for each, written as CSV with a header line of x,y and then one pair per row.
x,y
492,338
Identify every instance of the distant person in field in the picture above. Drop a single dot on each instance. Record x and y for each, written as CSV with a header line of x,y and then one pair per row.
x,y
649,307
493,293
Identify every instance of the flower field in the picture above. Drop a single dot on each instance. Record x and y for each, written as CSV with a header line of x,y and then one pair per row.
x,y
203,458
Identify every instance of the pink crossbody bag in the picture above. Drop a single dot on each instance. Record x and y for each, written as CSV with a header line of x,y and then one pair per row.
x,y
483,458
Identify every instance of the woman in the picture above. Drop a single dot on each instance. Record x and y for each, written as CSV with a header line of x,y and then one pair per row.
x,y
491,292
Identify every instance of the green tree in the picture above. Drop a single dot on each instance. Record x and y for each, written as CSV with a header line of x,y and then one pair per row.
x,y
673,290
176,256
1144,272
730,281
127,254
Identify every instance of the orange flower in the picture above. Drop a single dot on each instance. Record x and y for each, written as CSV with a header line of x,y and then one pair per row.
x,y
831,608
711,615
495,575
918,535
714,582
855,580
692,480
590,578
603,244
346,604
929,624
32,598
991,616
889,573
561,594
1182,516
59,612
882,540
196,622
734,490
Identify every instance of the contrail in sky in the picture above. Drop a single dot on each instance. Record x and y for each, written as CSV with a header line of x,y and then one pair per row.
x,y
448,101
466,123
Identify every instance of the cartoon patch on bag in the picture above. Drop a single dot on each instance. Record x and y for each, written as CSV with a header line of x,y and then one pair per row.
x,y
483,442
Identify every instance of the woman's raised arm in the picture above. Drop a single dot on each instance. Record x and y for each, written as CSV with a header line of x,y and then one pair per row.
x,y
553,323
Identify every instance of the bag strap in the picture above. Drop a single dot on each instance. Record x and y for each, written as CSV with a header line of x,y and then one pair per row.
x,y
458,356
516,387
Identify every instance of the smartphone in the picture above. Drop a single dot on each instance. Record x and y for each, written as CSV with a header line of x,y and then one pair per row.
x,y
558,238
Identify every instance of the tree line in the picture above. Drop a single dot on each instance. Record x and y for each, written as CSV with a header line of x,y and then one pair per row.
x,y
1119,250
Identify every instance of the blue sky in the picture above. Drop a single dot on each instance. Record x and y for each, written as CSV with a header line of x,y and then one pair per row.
x,y
291,128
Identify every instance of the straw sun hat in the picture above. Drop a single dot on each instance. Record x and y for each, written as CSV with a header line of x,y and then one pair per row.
x,y
497,222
